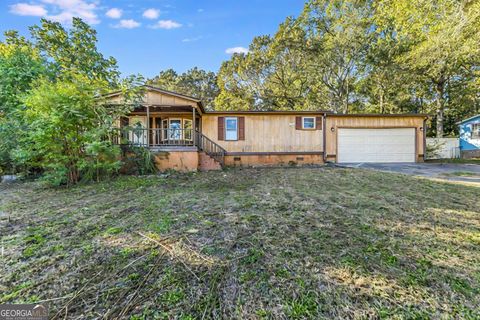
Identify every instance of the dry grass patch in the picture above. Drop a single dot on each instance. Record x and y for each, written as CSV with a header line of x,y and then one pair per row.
x,y
257,243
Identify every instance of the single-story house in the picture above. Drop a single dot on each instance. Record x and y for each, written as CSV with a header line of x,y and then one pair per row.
x,y
184,136
470,137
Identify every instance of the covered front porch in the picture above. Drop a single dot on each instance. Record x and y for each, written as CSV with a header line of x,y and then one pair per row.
x,y
160,127
167,129
170,124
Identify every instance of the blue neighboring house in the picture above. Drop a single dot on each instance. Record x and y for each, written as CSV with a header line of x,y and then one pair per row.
x,y
470,137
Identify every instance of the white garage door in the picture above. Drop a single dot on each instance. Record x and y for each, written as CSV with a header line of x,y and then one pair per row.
x,y
376,145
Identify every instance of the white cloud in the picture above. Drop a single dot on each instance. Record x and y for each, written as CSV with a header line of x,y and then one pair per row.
x,y
128,24
64,10
114,13
236,50
192,39
84,9
24,9
166,24
151,13
200,10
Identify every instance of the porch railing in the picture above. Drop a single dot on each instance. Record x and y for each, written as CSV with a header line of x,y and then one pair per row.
x,y
169,137
211,148
142,137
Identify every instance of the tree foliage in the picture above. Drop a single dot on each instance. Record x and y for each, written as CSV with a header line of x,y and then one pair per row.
x,y
74,51
312,62
65,130
439,44
52,103
20,65
387,56
195,82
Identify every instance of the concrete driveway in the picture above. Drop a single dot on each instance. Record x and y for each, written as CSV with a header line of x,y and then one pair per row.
x,y
445,171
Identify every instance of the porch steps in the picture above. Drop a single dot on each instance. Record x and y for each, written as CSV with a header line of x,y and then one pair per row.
x,y
207,163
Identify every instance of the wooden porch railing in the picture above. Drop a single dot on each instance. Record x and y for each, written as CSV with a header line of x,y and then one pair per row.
x,y
169,137
211,148
142,137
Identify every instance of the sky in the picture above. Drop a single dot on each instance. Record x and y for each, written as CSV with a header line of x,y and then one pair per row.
x,y
147,36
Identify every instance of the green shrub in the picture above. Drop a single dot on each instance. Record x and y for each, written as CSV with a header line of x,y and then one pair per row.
x,y
138,160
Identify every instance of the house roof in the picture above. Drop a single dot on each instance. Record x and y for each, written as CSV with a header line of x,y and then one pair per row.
x,y
166,92
329,113
468,119
268,112
259,112
380,115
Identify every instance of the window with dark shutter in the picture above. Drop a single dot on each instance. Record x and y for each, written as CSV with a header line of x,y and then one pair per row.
x,y
241,128
221,128
319,122
298,123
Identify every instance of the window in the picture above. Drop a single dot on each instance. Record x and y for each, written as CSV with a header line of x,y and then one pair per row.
x,y
476,131
308,123
175,129
231,129
165,129
187,126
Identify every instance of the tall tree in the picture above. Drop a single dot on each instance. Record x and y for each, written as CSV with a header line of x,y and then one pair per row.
x,y
438,38
338,35
386,86
311,61
382,56
74,51
166,79
194,82
52,93
273,75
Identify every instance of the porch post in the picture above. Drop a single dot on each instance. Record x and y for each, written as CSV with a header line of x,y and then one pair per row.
x,y
194,135
148,126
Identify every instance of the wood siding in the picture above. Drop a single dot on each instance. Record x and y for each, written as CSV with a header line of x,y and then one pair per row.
x,y
267,133
157,98
333,123
162,99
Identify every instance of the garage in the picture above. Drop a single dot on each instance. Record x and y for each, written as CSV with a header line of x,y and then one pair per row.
x,y
376,145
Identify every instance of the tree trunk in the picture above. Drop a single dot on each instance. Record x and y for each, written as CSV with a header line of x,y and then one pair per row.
x,y
440,88
381,102
347,95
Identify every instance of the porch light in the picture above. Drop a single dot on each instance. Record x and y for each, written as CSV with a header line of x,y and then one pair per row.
x,y
332,129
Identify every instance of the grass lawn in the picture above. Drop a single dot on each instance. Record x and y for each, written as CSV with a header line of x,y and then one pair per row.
x,y
245,244
459,161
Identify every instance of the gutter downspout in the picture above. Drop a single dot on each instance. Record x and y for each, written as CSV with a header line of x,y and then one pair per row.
x,y
424,139
324,137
